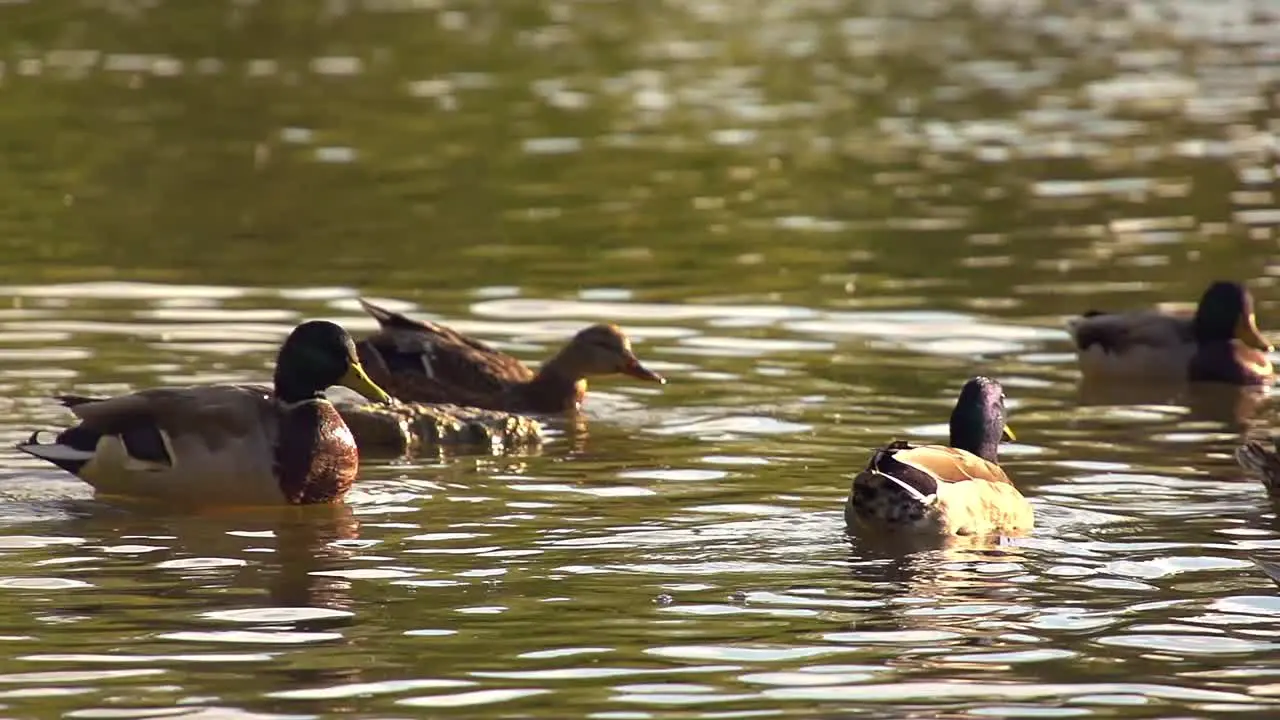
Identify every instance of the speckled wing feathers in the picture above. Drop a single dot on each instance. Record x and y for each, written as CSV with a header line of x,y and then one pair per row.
x,y
425,362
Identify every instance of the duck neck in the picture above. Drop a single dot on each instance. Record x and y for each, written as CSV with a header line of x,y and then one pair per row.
x,y
291,390
985,445
1225,361
1206,333
558,386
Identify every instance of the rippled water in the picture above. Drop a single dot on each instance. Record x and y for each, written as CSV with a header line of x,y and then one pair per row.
x,y
816,218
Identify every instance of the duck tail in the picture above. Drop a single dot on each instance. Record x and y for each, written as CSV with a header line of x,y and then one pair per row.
x,y
388,318
378,312
71,450
74,400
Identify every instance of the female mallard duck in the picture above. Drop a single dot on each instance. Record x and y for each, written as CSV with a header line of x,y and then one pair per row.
x,y
225,444
424,362
1219,343
944,490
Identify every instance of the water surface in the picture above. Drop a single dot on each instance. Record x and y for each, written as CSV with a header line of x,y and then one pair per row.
x,y
816,218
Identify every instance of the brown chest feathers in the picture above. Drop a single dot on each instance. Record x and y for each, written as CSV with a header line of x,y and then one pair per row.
x,y
316,460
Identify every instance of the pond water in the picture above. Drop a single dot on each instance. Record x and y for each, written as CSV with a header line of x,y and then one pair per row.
x,y
816,218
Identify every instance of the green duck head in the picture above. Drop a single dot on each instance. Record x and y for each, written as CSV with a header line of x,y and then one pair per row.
x,y
977,423
317,355
1226,313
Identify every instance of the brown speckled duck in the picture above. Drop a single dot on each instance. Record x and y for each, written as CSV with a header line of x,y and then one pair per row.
x,y
958,489
423,361
237,445
1219,343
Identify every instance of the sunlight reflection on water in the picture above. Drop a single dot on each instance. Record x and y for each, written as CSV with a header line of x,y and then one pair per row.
x,y
817,220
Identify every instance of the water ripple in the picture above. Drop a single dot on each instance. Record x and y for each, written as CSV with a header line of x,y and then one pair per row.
x,y
816,218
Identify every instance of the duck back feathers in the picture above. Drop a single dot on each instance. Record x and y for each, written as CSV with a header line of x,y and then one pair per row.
x,y
422,361
935,489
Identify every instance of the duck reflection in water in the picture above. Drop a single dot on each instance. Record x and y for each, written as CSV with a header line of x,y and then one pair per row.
x,y
275,552
939,577
294,558
1233,406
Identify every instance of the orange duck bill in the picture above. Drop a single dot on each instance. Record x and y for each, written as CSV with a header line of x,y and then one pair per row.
x,y
632,367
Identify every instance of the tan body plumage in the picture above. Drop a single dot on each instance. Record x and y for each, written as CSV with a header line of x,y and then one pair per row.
x,y
962,495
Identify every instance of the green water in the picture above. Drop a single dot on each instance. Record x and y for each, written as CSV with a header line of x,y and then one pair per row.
x,y
817,219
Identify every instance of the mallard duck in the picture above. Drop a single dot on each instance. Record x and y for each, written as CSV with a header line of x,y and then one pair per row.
x,y
1219,343
958,489
224,444
422,361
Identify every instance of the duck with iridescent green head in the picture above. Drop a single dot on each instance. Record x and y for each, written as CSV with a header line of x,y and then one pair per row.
x,y
240,445
953,489
1220,342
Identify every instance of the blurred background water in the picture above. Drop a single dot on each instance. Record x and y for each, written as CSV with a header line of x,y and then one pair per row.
x,y
816,217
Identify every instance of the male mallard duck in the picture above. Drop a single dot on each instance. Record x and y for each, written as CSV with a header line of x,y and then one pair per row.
x,y
422,361
225,444
945,490
1219,343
